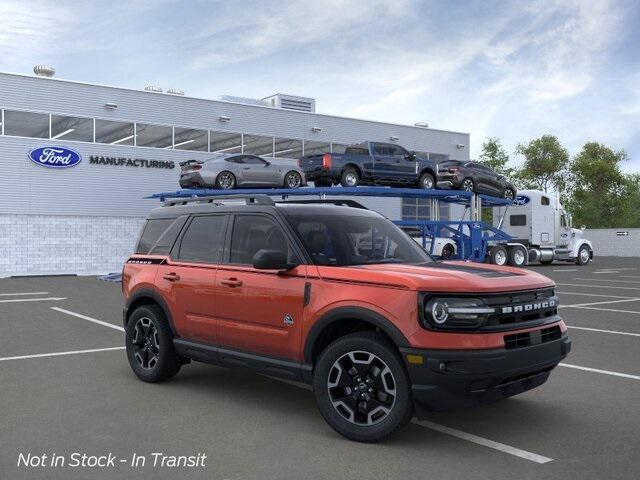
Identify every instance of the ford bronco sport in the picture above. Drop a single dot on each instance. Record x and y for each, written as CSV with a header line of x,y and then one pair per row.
x,y
337,297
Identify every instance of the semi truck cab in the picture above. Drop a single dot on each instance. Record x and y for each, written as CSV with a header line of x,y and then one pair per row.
x,y
538,221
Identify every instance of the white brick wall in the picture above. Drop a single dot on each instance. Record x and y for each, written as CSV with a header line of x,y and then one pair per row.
x,y
45,245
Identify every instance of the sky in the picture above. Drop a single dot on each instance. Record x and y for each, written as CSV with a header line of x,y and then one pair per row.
x,y
509,69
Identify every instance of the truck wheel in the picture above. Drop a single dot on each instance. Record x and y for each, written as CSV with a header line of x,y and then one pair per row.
x,y
447,251
349,177
426,182
362,388
149,344
584,255
517,256
499,256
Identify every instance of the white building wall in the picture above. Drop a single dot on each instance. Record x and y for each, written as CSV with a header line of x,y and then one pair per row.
x,y
613,241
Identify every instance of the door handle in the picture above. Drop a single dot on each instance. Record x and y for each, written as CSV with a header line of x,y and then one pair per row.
x,y
171,276
247,168
231,282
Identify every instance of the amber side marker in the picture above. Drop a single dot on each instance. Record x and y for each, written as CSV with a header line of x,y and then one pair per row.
x,y
415,359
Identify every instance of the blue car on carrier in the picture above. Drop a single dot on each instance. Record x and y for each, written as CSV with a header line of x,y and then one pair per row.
x,y
370,163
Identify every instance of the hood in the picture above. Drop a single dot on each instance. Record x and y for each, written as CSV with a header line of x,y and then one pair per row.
x,y
450,277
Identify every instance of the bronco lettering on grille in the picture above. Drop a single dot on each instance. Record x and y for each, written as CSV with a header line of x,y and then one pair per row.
x,y
530,307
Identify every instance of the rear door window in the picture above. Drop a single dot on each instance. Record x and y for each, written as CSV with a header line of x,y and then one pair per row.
x,y
203,241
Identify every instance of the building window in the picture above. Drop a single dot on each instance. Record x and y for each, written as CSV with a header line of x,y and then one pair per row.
x,y
72,128
222,142
287,148
338,148
190,139
156,136
316,148
114,133
258,145
416,209
26,124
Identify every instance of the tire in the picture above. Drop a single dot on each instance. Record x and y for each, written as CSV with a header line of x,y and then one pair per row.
x,y
448,251
292,180
225,180
426,182
149,344
380,372
468,185
349,177
499,256
509,193
584,255
517,257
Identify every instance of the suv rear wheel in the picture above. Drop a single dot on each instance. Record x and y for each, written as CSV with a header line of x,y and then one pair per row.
x,y
149,344
362,388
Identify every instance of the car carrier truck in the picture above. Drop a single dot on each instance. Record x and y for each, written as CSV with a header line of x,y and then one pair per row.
x,y
541,231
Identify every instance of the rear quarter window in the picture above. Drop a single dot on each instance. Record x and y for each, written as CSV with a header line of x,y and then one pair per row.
x,y
158,235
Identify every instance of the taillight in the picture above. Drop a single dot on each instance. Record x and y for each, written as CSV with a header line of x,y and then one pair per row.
x,y
196,167
326,161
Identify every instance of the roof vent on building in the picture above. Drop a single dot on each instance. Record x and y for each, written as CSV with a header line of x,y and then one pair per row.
x,y
291,102
243,100
153,88
421,124
44,71
175,91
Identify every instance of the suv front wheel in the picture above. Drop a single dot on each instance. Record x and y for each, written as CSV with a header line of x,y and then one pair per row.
x,y
362,388
149,344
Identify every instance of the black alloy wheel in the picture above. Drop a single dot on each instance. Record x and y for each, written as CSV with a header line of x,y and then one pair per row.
x,y
225,180
509,194
468,185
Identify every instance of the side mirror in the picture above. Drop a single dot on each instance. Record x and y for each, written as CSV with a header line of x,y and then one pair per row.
x,y
411,156
267,163
271,259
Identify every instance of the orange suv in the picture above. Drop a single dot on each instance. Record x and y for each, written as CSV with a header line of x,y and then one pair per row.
x,y
337,297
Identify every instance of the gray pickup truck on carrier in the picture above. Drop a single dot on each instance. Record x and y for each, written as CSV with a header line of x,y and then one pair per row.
x,y
370,163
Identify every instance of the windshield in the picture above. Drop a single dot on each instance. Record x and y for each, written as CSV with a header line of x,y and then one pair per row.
x,y
345,240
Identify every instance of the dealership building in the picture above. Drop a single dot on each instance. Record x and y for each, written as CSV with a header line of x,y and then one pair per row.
x,y
126,144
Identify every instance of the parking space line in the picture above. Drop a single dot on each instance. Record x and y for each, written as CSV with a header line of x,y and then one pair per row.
x,y
565,270
592,294
47,299
577,305
607,280
59,354
597,370
629,276
89,319
469,437
607,309
22,293
597,286
604,331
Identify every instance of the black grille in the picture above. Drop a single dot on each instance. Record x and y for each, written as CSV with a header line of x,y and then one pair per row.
x,y
520,299
519,340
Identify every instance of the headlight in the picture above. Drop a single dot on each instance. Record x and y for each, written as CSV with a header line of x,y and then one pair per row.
x,y
455,312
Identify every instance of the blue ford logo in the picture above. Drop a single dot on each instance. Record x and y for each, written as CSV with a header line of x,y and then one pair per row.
x,y
521,200
55,157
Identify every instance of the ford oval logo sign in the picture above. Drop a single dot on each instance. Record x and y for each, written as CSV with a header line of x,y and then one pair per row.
x,y
521,200
55,157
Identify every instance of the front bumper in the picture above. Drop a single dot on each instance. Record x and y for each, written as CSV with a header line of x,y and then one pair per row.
x,y
448,182
456,379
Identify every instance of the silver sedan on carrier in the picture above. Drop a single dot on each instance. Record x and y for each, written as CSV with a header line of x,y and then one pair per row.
x,y
241,170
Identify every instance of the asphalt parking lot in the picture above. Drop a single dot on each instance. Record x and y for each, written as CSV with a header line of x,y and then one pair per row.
x,y
66,387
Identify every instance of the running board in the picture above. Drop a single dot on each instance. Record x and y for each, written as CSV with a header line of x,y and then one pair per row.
x,y
224,357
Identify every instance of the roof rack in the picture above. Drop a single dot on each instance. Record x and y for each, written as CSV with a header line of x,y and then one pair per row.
x,y
339,202
218,199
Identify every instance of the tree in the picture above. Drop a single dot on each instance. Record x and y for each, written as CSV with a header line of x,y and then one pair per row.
x,y
545,164
600,194
495,157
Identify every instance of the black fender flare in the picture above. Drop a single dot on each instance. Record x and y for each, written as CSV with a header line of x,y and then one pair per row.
x,y
153,295
351,313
